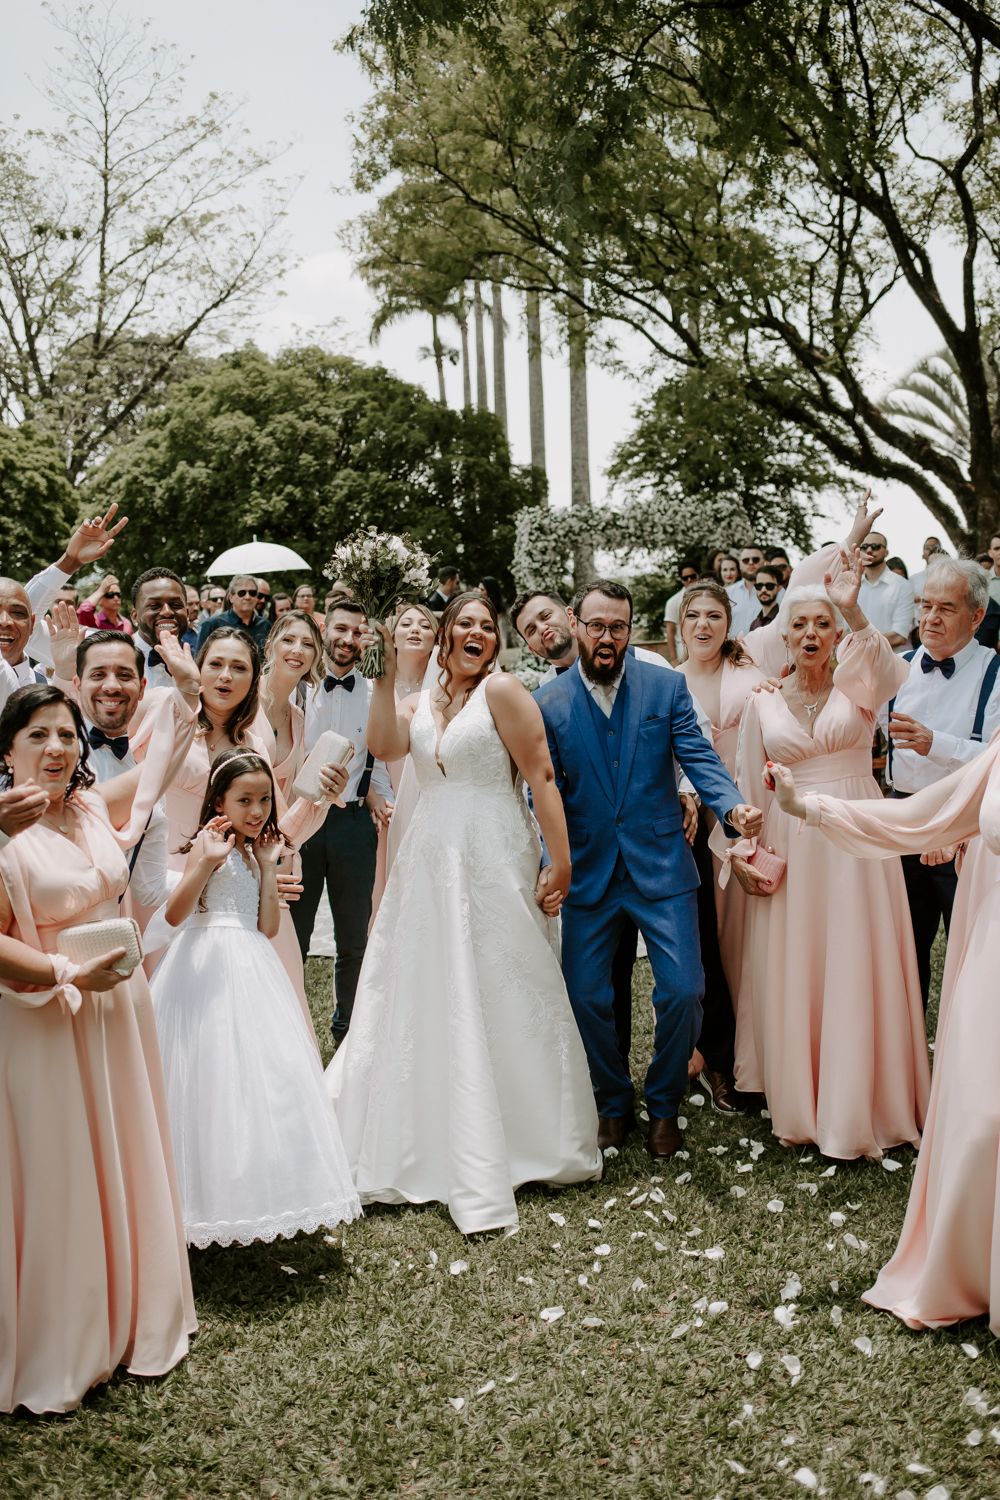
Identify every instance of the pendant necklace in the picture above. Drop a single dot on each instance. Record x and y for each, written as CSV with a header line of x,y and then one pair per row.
x,y
810,708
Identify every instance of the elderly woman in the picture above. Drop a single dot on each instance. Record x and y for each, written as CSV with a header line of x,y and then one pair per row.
x,y
830,1025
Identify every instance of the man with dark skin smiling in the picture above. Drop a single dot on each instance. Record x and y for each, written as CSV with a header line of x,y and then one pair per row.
x,y
159,602
242,613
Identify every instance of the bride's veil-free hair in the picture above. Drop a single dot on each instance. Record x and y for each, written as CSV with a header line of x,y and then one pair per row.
x,y
225,769
449,615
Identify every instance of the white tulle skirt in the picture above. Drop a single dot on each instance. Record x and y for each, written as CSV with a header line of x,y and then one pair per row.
x,y
256,1139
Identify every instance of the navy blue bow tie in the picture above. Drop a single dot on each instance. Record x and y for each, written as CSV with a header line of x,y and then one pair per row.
x,y
154,659
118,746
947,664
329,683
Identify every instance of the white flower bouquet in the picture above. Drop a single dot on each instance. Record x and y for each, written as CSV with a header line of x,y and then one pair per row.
x,y
380,570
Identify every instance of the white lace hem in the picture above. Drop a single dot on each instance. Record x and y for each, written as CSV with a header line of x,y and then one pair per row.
x,y
246,1231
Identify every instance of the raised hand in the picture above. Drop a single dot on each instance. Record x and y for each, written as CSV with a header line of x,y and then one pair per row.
x,y
268,847
843,589
217,842
368,638
21,807
180,663
779,780
864,520
91,540
65,634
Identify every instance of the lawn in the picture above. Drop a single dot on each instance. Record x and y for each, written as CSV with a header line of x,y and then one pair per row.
x,y
404,1360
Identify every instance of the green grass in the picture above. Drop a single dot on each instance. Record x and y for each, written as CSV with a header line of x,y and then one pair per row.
x,y
336,1381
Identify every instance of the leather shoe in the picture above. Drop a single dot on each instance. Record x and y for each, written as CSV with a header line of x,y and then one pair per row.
x,y
613,1129
664,1138
721,1089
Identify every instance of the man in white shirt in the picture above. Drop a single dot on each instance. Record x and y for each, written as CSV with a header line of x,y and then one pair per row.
x,y
941,718
932,544
743,594
885,597
159,602
688,572
994,577
342,854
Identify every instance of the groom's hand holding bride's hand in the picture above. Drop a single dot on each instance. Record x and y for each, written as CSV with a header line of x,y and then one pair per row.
x,y
551,888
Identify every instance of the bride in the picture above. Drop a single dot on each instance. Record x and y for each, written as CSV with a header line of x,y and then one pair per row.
x,y
463,1074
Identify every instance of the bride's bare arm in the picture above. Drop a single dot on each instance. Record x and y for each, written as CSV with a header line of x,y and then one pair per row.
x,y
388,732
520,725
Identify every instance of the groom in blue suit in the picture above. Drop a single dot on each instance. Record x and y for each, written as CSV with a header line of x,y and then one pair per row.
x,y
614,726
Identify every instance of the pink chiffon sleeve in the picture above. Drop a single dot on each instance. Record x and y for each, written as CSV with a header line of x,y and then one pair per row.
x,y
945,813
161,745
766,646
868,671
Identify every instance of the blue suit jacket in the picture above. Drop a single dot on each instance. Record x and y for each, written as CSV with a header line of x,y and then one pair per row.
x,y
643,818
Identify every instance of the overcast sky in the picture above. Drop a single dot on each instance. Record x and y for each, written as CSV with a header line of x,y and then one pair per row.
x,y
280,61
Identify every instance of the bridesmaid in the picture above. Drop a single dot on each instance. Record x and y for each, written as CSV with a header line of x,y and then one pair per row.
x,y
293,657
830,1030
93,1269
947,1264
414,633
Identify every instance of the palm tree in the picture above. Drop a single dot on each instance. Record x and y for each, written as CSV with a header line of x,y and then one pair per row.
x,y
930,402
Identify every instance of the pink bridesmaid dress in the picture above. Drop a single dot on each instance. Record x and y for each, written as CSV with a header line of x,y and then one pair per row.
x,y
93,1267
830,1025
383,861
947,1264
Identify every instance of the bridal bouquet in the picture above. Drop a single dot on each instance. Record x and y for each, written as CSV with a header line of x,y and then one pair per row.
x,y
380,569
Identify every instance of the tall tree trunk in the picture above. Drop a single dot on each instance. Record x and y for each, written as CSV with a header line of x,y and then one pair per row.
x,y
499,376
536,393
439,360
482,396
463,323
579,442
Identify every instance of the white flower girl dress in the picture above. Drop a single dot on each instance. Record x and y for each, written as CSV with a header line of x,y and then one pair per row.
x,y
258,1149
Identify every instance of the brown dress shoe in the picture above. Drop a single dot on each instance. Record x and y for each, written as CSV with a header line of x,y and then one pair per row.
x,y
613,1129
664,1138
721,1089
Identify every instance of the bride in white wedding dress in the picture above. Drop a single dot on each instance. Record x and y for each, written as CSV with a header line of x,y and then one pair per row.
x,y
463,1074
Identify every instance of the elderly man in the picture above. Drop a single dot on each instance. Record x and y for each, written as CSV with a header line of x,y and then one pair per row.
x,y
886,598
940,719
743,594
242,613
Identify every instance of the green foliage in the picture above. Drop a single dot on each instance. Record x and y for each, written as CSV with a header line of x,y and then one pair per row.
x,y
37,505
650,592
304,449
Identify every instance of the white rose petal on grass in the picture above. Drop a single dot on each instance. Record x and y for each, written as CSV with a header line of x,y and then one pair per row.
x,y
656,1195
558,1220
791,1289
638,1285
835,1286
838,1220
970,1350
864,1345
836,1316
806,1477
457,1402
938,1493
775,1206
850,1240
684,1177
682,1123
643,1115
830,1172
458,1266
732,1464
744,1166
592,1322
877,1484
328,1239
433,1258
610,1203
526,1280
890,1165
680,1330
807,1187
792,1364
995,1434
682,1155
636,1201
581,1280
975,1438
714,1252
552,1314
658,1246
611,1150
755,1361
716,1309
593,1224
670,1218
737,1192
785,1316
484,1390
757,1150
918,1469
288,1270
602,1249
697,1100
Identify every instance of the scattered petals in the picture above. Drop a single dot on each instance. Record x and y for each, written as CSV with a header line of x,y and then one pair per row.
x,y
552,1314
755,1361
650,1215
850,1240
975,1438
611,1151
610,1203
714,1252
792,1364
835,1285
328,1239
513,1229
717,1150
509,1379
638,1285
558,1220
457,1402
484,1390
602,1249
670,1218
458,1266
526,1280
807,1187
592,1322
638,1234
697,1100
805,1160
890,1165
593,1223
658,1246
836,1316
680,1330
995,1434
765,1114
838,1220
972,1397
636,1201
682,1124
806,1477
791,1289
854,1205
597,1265
433,1258
643,1115
656,1195
938,1493
684,1177
701,1305
757,1150
864,1345
736,1468
737,1192
830,1172
288,1270
877,1484
775,1206
683,1155
786,1316
716,1309
744,1166
970,1350
918,1469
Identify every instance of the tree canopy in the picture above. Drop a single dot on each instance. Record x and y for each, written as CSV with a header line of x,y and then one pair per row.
x,y
37,504
303,449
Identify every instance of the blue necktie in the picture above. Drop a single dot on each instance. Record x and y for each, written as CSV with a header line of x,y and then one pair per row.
x,y
946,665
329,683
118,746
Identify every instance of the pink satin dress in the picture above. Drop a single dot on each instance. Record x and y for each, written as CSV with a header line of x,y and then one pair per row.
x,y
947,1264
93,1267
382,860
830,1025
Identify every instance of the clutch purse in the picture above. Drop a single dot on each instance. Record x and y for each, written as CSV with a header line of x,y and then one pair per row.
x,y
91,939
770,865
329,750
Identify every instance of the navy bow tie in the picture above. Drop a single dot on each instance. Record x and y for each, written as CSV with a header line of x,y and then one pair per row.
x,y
947,664
118,746
329,683
154,659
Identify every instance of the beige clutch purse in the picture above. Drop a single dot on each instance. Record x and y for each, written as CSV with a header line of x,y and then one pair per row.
x,y
91,939
329,750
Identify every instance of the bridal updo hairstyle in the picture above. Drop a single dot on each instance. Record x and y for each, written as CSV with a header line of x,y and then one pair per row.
x,y
446,639
18,712
731,650
282,625
224,770
245,712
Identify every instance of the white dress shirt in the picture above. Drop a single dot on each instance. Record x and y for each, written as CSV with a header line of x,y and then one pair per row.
x,y
746,607
41,590
346,713
946,705
888,605
157,674
152,879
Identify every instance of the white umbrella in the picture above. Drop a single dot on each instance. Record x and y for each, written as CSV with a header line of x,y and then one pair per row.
x,y
255,557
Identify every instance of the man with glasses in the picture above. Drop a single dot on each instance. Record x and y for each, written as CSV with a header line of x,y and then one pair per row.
x,y
746,606
767,586
777,558
212,599
688,574
885,597
614,726
242,613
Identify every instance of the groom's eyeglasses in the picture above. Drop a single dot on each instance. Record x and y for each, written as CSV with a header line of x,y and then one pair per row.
x,y
596,628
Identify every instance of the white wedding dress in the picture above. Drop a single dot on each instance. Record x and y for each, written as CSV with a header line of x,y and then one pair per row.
x,y
256,1141
463,1074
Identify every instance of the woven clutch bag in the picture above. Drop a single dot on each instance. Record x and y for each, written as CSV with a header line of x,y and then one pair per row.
x,y
770,865
91,939
330,749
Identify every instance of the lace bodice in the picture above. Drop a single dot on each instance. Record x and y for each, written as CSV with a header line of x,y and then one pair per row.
x,y
233,888
471,751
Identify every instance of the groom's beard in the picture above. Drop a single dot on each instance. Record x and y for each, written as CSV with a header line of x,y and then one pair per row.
x,y
595,671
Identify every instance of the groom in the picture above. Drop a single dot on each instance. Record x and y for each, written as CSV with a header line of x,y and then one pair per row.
x,y
614,725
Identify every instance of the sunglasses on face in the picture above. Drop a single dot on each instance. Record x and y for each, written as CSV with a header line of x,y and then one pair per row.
x,y
872,547
769,587
112,594
689,578
243,593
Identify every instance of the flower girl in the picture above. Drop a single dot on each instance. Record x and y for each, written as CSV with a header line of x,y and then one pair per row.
x,y
258,1150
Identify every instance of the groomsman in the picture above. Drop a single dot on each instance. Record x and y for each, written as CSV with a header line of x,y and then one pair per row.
x,y
159,602
941,718
614,726
342,854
